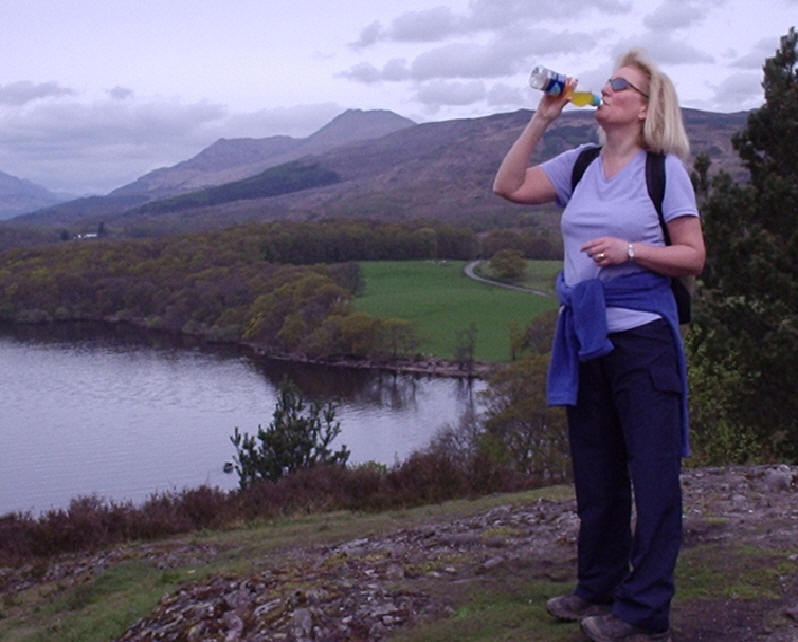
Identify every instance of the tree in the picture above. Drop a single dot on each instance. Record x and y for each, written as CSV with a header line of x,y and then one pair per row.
x,y
427,241
700,177
465,347
398,337
744,343
517,335
500,240
299,436
508,264
519,426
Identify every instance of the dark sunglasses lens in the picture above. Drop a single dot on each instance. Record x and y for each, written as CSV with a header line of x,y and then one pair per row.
x,y
619,84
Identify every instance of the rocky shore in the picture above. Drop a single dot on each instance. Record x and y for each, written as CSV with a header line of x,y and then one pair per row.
x,y
427,366
371,588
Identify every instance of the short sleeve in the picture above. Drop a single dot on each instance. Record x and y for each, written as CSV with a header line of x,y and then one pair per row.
x,y
679,193
560,169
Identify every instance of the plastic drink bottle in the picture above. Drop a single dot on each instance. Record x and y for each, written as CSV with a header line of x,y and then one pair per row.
x,y
548,81
553,83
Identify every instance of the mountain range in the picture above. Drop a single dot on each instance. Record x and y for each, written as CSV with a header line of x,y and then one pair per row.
x,y
376,164
18,195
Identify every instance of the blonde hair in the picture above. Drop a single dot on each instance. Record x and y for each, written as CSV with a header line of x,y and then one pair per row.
x,y
663,130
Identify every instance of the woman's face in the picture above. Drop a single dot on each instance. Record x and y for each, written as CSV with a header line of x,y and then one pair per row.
x,y
627,105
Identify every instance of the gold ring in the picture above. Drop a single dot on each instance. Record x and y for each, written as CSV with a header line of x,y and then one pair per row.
x,y
601,256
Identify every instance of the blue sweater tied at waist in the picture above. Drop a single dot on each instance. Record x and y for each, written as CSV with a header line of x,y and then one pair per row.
x,y
581,333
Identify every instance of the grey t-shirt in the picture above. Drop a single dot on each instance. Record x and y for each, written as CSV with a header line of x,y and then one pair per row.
x,y
620,207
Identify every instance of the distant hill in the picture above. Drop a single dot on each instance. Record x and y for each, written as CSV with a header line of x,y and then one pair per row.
x,y
229,160
18,196
440,170
225,161
287,178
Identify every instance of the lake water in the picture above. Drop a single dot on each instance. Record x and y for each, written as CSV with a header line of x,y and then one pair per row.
x,y
92,410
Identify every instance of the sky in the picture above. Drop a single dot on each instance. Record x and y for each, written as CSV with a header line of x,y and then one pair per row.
x,y
95,93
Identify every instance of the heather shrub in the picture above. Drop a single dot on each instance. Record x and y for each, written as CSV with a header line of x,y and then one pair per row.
x,y
429,476
204,507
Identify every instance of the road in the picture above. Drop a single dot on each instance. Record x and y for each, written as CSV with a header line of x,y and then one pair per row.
x,y
469,270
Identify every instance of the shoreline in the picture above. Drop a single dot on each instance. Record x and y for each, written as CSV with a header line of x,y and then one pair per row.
x,y
430,366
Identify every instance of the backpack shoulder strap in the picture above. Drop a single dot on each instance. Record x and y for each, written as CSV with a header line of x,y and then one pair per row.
x,y
655,182
586,156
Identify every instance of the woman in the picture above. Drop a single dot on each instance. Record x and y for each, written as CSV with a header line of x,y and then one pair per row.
x,y
617,361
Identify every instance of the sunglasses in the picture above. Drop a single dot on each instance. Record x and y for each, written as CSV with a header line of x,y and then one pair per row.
x,y
619,84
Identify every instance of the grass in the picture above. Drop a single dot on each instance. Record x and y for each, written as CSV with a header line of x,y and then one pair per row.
x,y
734,572
706,575
101,608
104,606
516,612
441,300
493,607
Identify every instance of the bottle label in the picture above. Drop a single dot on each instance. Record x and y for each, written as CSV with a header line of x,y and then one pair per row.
x,y
555,84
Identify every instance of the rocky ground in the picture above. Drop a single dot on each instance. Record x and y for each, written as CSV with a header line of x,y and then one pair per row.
x,y
372,588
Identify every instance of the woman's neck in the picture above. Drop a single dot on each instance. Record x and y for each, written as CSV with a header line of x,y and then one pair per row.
x,y
618,151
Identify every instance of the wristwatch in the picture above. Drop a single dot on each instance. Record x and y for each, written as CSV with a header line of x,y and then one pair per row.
x,y
630,251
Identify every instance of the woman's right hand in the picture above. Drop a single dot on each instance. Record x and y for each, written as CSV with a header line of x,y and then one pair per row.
x,y
514,180
550,107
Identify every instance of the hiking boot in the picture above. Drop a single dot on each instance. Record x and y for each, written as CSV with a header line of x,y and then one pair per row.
x,y
573,608
610,628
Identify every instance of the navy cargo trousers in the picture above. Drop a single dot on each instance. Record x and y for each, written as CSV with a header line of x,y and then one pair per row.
x,y
625,441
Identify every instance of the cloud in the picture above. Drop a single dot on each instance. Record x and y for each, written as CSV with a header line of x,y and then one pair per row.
x,y
94,147
369,35
664,49
462,60
363,72
504,95
295,120
120,93
426,26
755,59
672,15
469,60
439,93
500,14
440,23
738,92
24,91
395,69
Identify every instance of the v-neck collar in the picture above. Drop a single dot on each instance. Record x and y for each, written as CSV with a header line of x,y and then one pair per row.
x,y
620,171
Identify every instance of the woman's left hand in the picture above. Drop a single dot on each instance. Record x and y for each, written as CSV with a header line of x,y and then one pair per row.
x,y
607,250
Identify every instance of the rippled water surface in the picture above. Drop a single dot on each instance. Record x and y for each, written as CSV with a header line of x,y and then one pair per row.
x,y
92,411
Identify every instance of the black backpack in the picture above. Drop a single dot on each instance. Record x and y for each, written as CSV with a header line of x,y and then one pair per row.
x,y
655,182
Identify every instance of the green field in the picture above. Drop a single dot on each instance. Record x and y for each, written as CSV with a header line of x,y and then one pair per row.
x,y
441,300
